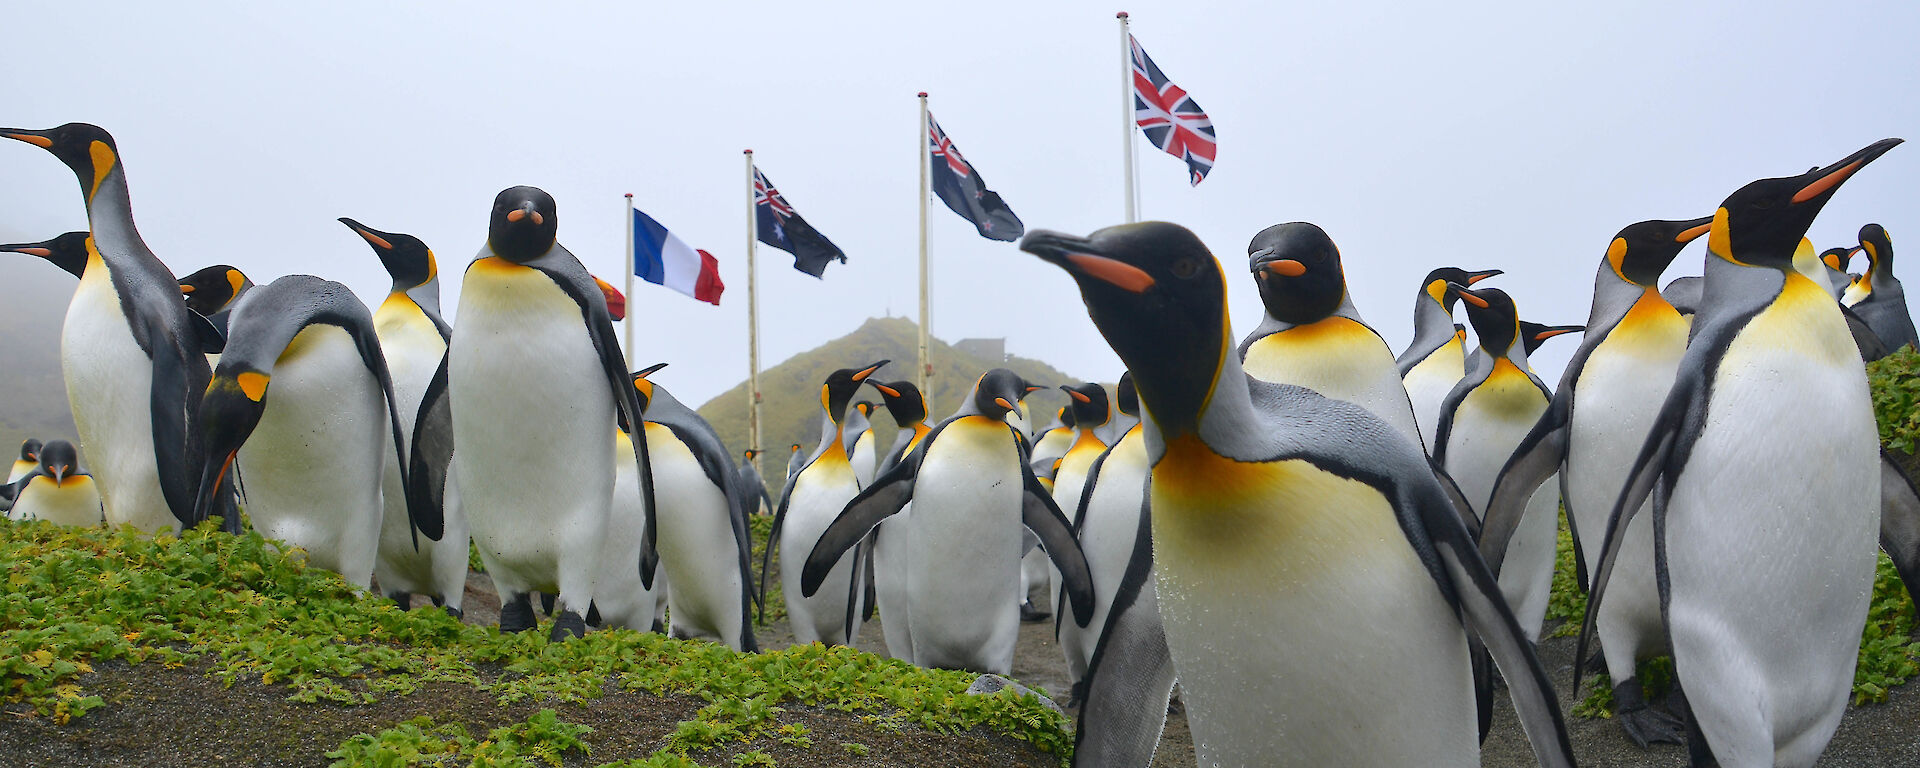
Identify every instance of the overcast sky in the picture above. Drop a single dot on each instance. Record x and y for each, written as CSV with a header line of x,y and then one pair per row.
x,y
1517,136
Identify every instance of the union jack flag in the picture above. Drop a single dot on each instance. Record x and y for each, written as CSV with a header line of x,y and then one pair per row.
x,y
1168,116
777,225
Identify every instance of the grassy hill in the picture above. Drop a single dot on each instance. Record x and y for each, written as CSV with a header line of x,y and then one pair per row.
x,y
790,392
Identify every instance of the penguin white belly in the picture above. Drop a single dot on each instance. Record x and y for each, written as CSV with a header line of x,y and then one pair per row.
x,y
1107,537
314,461
533,422
1300,620
110,389
1487,425
75,502
819,494
1069,482
891,571
1617,397
697,549
1428,383
1341,359
1771,540
622,599
862,459
964,540
413,349
21,468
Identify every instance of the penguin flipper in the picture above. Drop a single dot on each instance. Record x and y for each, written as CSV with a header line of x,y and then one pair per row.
x,y
1459,499
209,336
1900,522
174,451
1870,344
1647,470
1540,454
431,456
1045,519
887,495
1130,676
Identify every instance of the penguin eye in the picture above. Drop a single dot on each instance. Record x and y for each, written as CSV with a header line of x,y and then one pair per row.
x,y
1186,268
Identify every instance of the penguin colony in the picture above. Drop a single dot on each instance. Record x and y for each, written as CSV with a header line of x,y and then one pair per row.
x,y
1388,521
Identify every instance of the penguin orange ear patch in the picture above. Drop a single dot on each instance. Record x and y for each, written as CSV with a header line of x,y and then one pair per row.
x,y
253,385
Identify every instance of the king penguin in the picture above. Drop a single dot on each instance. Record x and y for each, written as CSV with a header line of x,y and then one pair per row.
x,y
212,291
68,252
795,460
1877,296
1437,357
1281,519
1091,412
1835,261
1765,487
1608,396
413,338
528,391
1534,335
1311,334
56,490
315,450
813,498
752,487
29,459
891,565
1107,525
858,442
967,479
131,351
1044,458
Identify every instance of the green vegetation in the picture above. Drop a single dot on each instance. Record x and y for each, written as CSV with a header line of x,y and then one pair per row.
x,y
1895,382
759,529
248,610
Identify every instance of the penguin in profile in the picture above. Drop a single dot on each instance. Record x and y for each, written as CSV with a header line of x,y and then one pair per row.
x,y
1533,335
1107,525
56,490
1126,404
212,291
528,390
1311,334
622,597
1877,296
29,459
1437,357
130,350
1280,519
795,460
1835,260
1044,458
813,498
966,480
858,441
1607,399
888,563
752,487
1764,644
68,252
1091,412
413,338
1053,442
303,399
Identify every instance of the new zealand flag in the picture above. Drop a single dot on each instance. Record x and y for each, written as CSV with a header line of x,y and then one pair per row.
x,y
962,189
777,225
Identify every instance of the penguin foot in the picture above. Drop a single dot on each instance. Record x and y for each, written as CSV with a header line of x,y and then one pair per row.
x,y
403,599
516,614
454,612
1644,725
593,615
1077,696
1597,664
659,628
1029,613
566,626
546,603
438,601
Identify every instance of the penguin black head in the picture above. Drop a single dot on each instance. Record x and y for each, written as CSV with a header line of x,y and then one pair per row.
x,y
68,251
750,453
1643,250
1532,334
1158,296
643,387
865,407
1297,268
524,224
30,450
59,460
998,393
1493,316
903,401
1879,247
794,448
1761,223
1089,404
88,150
1435,285
409,261
1128,397
1836,258
1065,415
214,288
229,411
840,387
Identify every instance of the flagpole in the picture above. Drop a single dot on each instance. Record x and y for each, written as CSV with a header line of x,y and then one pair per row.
x,y
753,324
926,363
627,324
1126,110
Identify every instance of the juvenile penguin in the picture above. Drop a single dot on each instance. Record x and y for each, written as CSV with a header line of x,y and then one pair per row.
x,y
212,291
1608,397
131,351
1764,646
528,391
1877,296
1107,525
29,458
56,490
967,480
1485,416
413,338
752,487
892,566
858,442
303,399
813,498
1437,357
1311,334
68,252
1281,519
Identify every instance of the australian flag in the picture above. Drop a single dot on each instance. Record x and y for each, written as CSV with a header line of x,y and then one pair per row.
x,y
777,225
962,189
1168,116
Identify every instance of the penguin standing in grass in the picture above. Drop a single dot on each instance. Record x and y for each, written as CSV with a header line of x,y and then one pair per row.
x,y
1608,397
413,338
1281,519
890,562
29,459
528,392
1877,296
752,487
68,252
56,490
303,399
130,350
813,498
1761,465
967,480
1437,357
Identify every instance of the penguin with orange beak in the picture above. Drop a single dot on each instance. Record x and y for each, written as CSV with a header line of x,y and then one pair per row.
x,y
57,490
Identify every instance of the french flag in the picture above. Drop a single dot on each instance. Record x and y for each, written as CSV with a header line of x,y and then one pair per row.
x,y
662,259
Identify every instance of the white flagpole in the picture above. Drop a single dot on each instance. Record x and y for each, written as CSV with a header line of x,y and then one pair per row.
x,y
753,324
1126,111
926,363
627,324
